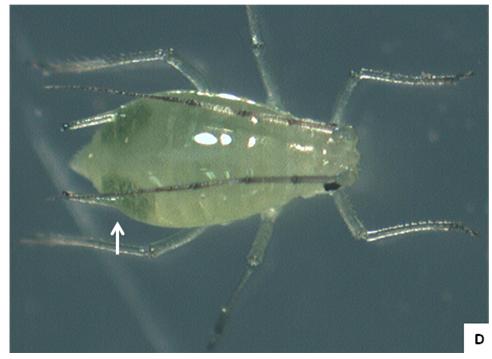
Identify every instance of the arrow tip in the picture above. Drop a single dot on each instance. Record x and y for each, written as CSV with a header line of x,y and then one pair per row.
x,y
117,229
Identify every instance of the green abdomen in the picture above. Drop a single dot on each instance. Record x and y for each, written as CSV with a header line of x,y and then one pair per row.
x,y
155,144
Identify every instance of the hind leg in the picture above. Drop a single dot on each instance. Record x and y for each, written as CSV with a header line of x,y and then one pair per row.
x,y
154,249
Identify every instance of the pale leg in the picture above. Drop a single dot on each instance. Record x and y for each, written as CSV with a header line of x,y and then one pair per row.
x,y
124,60
154,249
254,259
359,231
258,47
422,80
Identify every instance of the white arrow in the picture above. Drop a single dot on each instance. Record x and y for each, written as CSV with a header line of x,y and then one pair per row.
x,y
117,230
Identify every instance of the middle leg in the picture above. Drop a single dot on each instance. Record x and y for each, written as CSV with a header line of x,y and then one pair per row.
x,y
254,260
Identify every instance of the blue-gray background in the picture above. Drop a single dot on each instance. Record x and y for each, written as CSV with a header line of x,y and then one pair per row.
x,y
424,156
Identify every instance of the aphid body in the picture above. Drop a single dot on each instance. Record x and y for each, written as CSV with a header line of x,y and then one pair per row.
x,y
153,143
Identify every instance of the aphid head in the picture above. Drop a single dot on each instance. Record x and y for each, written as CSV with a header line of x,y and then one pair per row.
x,y
340,156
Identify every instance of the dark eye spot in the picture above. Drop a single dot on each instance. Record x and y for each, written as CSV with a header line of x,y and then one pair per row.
x,y
332,186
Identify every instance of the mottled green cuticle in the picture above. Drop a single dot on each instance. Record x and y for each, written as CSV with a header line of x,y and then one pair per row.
x,y
139,206
130,119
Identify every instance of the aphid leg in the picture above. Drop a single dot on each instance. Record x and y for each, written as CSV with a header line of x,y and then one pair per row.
x,y
254,259
154,249
96,120
85,64
176,241
359,231
186,69
258,48
422,80
137,58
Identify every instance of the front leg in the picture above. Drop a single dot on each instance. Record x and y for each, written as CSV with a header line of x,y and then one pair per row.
x,y
359,231
422,80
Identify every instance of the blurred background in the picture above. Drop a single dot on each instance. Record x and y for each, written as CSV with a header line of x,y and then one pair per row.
x,y
424,156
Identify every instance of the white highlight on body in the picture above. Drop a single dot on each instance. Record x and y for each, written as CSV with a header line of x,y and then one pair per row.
x,y
225,139
205,138
301,148
251,141
154,179
228,96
